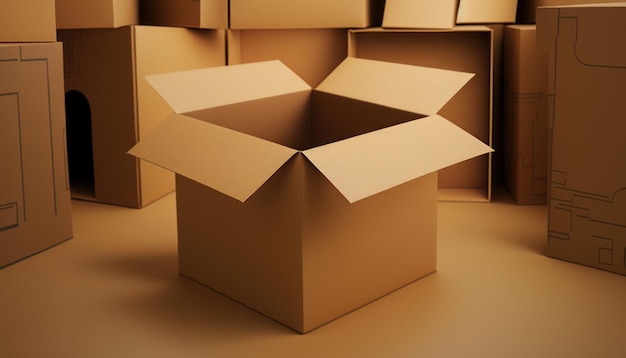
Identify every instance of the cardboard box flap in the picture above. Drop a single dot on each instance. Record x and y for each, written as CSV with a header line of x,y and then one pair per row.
x,y
416,89
194,90
228,161
365,165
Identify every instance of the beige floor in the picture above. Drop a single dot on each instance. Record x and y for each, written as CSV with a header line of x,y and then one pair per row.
x,y
113,291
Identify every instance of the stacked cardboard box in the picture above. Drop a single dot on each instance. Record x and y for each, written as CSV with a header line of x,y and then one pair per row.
x,y
587,82
35,206
110,106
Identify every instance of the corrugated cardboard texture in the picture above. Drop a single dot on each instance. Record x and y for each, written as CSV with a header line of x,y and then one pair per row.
x,y
35,207
108,67
27,21
467,49
587,197
526,126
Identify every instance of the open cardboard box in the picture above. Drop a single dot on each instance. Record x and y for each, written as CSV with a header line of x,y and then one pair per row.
x,y
445,14
287,14
469,48
27,21
108,14
204,14
587,80
307,204
35,206
110,106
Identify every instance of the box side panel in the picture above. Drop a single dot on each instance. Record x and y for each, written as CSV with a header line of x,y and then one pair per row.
x,y
250,252
312,54
526,127
27,21
187,49
470,108
285,119
588,169
278,14
125,12
78,14
208,14
35,208
336,118
184,13
100,66
357,253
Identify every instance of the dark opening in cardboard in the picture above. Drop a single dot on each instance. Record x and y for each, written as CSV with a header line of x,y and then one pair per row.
x,y
79,144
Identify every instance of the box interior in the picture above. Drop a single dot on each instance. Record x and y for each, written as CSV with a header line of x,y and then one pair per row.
x,y
306,119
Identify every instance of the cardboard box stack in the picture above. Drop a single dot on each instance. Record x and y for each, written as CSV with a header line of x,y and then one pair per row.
x,y
35,206
587,82
305,204
110,106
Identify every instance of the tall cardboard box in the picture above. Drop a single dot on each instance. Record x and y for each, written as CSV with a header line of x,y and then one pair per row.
x,y
35,206
526,113
587,194
203,14
88,14
307,204
526,9
286,14
110,105
311,53
463,48
445,14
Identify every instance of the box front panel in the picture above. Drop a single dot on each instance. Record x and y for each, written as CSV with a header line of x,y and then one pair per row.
x,y
278,14
35,210
357,253
587,199
250,252
470,108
